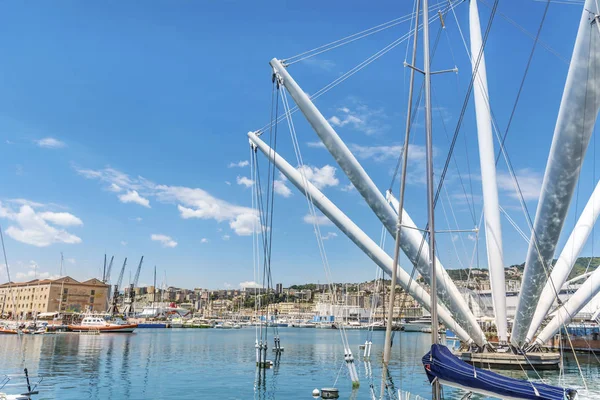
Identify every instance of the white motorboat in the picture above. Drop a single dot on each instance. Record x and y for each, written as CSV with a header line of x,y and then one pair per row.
x,y
96,323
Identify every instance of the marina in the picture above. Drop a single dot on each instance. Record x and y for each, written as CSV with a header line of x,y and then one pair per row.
x,y
155,362
488,288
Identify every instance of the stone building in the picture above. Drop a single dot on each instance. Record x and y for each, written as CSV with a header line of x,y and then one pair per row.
x,y
52,295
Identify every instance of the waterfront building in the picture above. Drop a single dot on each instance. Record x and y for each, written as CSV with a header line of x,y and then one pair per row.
x,y
53,295
279,288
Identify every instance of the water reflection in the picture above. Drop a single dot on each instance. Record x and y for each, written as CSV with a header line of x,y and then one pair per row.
x,y
189,363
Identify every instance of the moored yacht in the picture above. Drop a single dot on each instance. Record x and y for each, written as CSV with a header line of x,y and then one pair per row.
x,y
97,323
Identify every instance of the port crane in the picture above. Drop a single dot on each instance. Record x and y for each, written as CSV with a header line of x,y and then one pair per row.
x,y
128,309
114,308
106,273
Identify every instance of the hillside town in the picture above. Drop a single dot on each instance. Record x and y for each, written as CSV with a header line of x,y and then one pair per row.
x,y
357,301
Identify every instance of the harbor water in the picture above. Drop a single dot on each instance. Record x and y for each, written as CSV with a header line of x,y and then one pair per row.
x,y
220,364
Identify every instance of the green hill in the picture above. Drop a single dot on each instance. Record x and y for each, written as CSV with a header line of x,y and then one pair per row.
x,y
582,263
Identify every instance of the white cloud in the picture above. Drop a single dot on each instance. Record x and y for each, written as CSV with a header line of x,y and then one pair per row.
x,y
245,181
50,143
115,179
190,202
318,145
249,285
25,202
320,177
165,240
61,218
225,237
226,285
416,153
228,183
34,228
361,118
123,243
329,235
319,219
200,204
347,188
471,237
239,164
204,240
133,196
245,224
530,183
416,158
30,275
281,189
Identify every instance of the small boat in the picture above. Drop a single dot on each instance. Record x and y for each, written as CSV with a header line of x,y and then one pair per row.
x,y
99,324
176,322
441,365
5,330
227,325
197,323
326,325
305,324
419,325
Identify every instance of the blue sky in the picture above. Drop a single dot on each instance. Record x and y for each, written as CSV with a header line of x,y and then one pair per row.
x,y
120,125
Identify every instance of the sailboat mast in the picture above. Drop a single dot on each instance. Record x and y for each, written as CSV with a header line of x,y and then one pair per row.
x,y
429,155
388,329
154,294
62,284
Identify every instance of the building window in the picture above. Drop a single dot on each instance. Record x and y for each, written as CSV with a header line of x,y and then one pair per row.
x,y
93,292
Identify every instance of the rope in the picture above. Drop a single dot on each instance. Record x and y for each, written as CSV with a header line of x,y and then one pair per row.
x,y
351,72
266,217
514,224
255,260
312,211
354,37
545,45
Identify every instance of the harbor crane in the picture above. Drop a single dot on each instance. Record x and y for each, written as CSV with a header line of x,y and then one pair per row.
x,y
106,274
128,309
114,308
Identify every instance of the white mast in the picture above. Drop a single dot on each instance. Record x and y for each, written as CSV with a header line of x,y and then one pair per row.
x,y
583,295
493,230
412,243
435,385
364,242
566,261
574,125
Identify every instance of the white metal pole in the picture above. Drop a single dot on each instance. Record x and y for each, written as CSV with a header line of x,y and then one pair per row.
x,y
564,315
493,229
574,125
364,242
411,241
566,261
435,385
